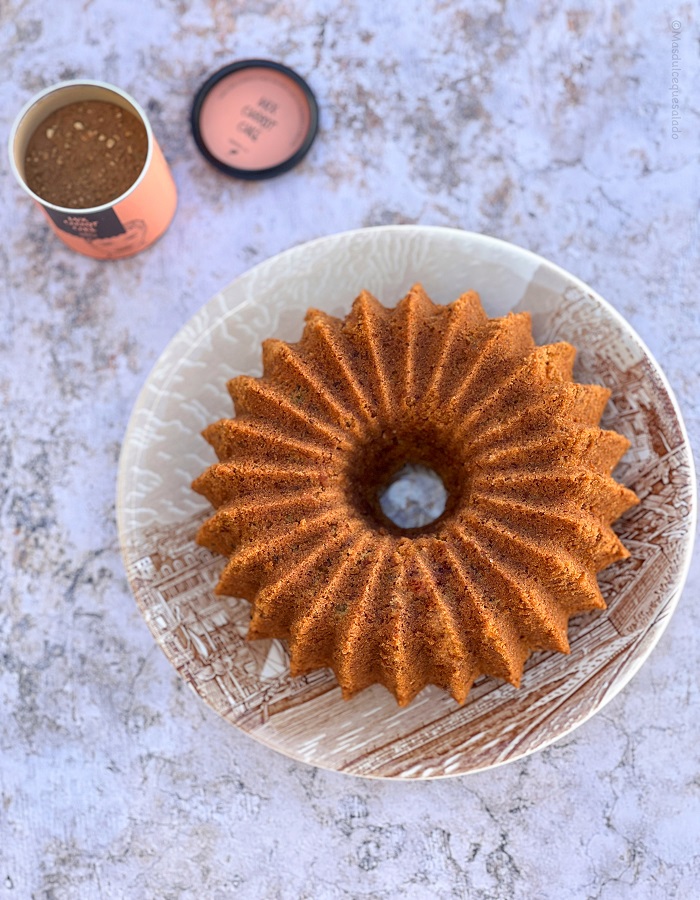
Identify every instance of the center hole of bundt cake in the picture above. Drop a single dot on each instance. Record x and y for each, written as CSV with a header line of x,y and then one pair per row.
x,y
414,497
406,481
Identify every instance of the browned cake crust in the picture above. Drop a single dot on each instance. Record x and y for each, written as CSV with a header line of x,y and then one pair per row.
x,y
315,441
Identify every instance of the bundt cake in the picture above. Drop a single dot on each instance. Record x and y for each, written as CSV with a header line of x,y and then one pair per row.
x,y
317,439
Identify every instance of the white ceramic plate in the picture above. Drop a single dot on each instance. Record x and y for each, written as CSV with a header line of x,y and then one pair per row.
x,y
249,683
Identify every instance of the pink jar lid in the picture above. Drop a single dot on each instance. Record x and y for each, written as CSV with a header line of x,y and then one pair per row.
x,y
254,119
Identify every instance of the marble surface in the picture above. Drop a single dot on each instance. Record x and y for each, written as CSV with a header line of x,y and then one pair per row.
x,y
547,124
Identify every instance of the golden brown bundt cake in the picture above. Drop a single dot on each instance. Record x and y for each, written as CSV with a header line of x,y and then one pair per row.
x,y
317,439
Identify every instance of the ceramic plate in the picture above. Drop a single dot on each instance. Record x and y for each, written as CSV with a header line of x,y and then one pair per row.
x,y
249,683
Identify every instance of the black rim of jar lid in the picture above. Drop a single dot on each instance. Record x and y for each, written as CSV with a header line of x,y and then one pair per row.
x,y
254,174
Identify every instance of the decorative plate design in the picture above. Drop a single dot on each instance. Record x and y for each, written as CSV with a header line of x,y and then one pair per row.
x,y
248,683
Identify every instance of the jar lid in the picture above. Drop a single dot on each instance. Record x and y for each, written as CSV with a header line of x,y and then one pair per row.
x,y
254,119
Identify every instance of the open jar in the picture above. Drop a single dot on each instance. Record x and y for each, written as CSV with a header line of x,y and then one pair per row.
x,y
85,152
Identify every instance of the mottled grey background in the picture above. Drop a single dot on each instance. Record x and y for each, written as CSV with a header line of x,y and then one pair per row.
x,y
544,123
